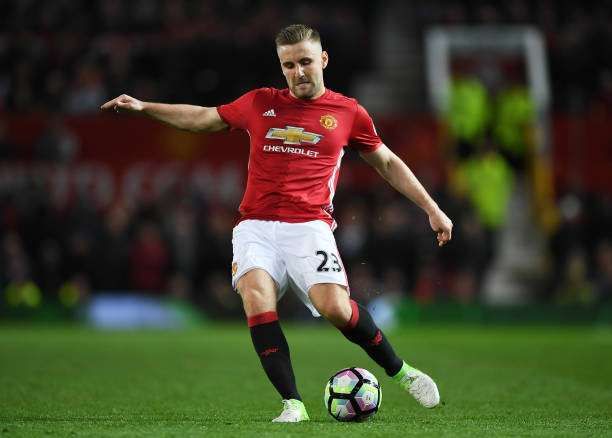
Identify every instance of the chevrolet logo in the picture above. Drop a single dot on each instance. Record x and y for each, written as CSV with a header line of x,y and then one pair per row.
x,y
293,135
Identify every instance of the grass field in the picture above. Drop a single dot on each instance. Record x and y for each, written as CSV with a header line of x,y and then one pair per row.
x,y
493,382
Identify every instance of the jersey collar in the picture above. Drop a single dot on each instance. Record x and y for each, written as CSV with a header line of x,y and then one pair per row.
x,y
306,101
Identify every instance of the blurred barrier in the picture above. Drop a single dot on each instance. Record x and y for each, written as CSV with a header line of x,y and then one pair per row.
x,y
409,313
116,310
130,311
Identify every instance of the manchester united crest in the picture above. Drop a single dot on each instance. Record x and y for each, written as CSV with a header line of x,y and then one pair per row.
x,y
329,122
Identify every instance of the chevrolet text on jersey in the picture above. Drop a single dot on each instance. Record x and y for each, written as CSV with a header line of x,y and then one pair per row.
x,y
290,150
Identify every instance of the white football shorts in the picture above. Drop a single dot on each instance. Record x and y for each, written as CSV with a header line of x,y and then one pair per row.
x,y
299,255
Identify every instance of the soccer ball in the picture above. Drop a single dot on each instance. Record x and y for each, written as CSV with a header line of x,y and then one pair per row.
x,y
352,394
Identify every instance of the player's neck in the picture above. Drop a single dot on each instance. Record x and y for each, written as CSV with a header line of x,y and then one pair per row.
x,y
320,93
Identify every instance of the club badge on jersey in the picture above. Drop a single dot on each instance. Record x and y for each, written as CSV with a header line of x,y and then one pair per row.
x,y
329,122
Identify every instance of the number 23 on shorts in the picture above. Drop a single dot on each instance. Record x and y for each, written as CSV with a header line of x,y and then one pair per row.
x,y
325,258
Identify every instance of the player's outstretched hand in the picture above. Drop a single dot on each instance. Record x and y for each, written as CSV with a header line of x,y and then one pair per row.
x,y
123,103
442,225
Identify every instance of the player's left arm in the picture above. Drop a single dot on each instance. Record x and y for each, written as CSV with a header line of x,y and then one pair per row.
x,y
398,174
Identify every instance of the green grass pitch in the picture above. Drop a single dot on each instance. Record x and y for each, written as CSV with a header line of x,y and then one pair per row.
x,y
537,381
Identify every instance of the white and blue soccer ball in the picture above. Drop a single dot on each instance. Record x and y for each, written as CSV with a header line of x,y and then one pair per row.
x,y
352,394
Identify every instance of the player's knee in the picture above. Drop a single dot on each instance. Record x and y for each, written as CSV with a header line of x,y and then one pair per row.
x,y
258,292
337,312
332,302
257,300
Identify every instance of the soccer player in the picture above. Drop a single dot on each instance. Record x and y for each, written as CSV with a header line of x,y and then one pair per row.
x,y
284,238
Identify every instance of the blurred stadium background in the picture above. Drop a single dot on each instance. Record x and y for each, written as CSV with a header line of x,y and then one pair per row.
x,y
503,111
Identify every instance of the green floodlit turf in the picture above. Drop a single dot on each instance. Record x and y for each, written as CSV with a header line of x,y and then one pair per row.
x,y
493,381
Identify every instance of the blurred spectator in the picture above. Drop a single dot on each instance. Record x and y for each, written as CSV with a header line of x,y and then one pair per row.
x,y
18,289
218,297
364,285
514,125
113,250
57,143
179,287
149,260
464,286
393,239
427,286
473,247
215,248
81,258
74,291
352,232
394,282
15,264
50,265
183,238
572,232
86,91
603,102
576,288
487,181
467,115
7,149
603,271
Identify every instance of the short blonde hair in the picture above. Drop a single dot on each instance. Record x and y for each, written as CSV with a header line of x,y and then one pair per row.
x,y
296,33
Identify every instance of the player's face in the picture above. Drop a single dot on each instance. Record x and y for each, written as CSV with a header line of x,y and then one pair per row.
x,y
303,65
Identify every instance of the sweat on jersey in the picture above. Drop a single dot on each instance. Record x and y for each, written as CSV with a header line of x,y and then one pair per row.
x,y
296,147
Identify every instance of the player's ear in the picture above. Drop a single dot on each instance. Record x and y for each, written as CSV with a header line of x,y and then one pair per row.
x,y
324,58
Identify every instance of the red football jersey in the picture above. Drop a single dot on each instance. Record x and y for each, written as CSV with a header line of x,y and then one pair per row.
x,y
296,149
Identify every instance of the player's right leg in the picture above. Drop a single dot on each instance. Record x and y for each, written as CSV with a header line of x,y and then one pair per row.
x,y
258,292
357,325
314,264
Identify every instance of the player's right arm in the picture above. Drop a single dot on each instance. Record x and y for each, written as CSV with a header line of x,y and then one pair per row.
x,y
397,173
187,117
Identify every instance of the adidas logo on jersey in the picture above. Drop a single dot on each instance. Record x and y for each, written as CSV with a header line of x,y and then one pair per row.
x,y
269,113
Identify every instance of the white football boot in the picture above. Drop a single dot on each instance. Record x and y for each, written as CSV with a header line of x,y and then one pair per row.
x,y
293,412
419,385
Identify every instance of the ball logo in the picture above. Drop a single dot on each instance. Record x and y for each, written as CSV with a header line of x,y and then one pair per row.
x,y
329,122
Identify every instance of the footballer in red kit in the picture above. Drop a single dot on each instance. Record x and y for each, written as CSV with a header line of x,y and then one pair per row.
x,y
284,239
296,149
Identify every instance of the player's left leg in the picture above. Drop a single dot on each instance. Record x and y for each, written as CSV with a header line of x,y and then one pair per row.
x,y
258,292
354,321
259,276
356,324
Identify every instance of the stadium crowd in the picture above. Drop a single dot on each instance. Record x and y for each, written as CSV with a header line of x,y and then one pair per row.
x,y
67,57
70,55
